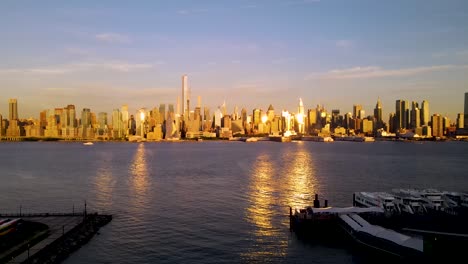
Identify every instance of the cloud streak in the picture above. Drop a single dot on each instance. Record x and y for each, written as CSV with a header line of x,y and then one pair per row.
x,y
372,72
344,43
115,66
112,38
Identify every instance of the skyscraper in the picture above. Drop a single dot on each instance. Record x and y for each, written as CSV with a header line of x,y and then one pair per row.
x,y
425,113
357,111
378,111
185,97
466,109
401,115
437,125
13,105
86,118
415,120
460,121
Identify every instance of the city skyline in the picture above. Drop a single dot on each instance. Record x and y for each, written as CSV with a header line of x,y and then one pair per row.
x,y
247,53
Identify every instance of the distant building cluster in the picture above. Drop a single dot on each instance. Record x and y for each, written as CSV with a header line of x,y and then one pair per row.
x,y
169,122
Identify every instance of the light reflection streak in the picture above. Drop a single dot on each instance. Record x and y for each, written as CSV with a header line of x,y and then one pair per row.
x,y
262,200
139,173
104,183
301,182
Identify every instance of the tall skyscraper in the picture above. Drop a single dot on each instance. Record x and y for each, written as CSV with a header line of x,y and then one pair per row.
x,y
437,125
401,115
460,121
415,120
86,118
466,109
185,97
378,111
13,106
357,111
162,113
425,113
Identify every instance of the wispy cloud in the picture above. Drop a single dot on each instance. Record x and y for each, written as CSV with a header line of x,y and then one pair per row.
x,y
184,12
370,72
112,38
116,66
344,43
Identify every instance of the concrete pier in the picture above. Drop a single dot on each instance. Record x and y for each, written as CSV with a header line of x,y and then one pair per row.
x,y
67,233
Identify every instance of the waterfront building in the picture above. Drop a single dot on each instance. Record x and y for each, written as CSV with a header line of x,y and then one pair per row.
x,y
437,125
460,121
13,109
206,113
425,113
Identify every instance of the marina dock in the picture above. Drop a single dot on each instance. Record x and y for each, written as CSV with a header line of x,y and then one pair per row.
x,y
400,236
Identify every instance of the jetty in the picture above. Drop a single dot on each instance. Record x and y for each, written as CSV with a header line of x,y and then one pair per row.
x,y
63,234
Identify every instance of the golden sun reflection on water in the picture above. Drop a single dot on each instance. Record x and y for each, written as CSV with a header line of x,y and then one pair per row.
x,y
259,213
104,183
300,177
261,195
139,174
278,181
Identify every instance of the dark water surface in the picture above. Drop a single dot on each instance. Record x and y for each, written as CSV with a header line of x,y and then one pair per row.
x,y
213,202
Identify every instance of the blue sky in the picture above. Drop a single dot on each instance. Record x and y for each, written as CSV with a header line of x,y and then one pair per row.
x,y
102,54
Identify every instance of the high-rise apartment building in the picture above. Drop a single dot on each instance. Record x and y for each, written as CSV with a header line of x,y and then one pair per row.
x,y
13,107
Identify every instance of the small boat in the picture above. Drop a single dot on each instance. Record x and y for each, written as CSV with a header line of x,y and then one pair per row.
x,y
88,143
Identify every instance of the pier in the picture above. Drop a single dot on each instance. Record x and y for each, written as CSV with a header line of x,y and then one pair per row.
x,y
66,233
373,230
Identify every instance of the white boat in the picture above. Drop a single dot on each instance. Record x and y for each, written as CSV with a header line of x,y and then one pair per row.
x,y
88,143
317,139
409,204
383,200
251,139
429,198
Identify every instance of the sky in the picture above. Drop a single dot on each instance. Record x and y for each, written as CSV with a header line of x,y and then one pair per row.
x,y
103,54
